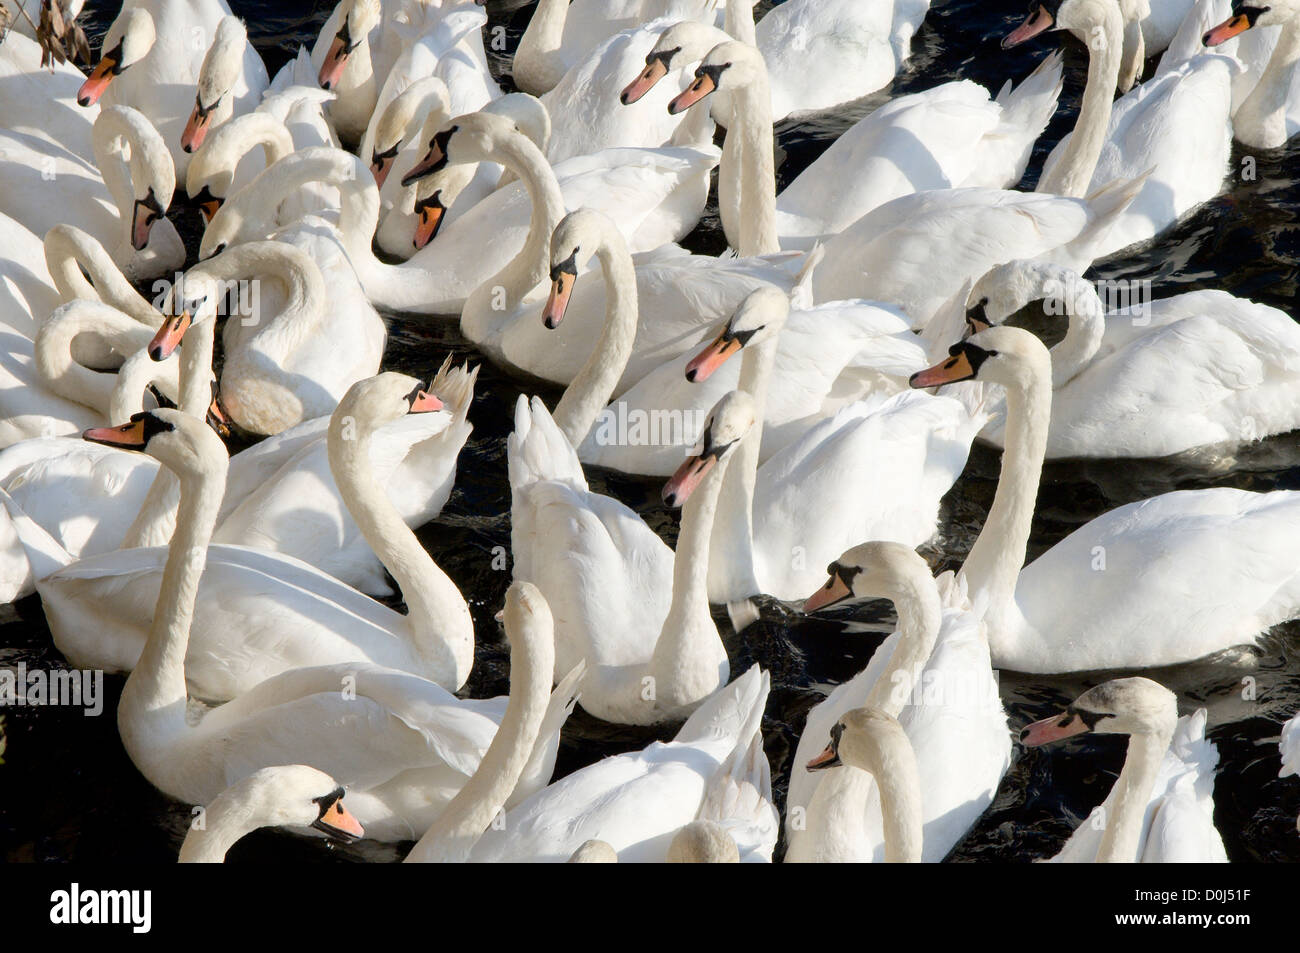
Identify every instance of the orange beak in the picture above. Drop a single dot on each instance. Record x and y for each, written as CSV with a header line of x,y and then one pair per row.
x,y
425,403
168,338
380,167
654,71
558,300
687,479
433,160
431,212
1039,21
829,758
712,357
336,60
97,81
209,207
1226,30
196,129
127,436
143,215
339,823
956,368
692,94
834,591
1052,729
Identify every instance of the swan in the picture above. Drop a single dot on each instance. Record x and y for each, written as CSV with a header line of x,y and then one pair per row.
x,y
224,86
290,358
1161,807
1265,119
1117,592
292,795
875,469
934,675
41,101
827,357
561,35
262,613
151,59
1111,396
226,160
1149,130
638,801
121,205
341,57
280,494
610,555
644,187
872,742
401,745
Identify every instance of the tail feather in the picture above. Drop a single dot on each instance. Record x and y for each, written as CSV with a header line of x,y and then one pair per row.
x,y
454,386
734,711
1030,105
44,553
538,450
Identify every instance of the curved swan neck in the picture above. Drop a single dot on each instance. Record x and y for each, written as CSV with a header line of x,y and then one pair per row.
x,y
920,616
899,781
1072,174
593,386
738,20
440,624
994,563
1063,288
53,350
68,250
451,837
538,56
1133,787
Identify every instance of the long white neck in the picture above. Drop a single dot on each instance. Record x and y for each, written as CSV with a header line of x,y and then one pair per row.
x,y
993,565
738,20
920,616
53,350
149,162
156,521
1123,834
151,713
835,819
441,627
230,817
530,267
592,387
68,250
732,572
899,781
538,65
1063,288
752,121
1262,117
451,837
1072,174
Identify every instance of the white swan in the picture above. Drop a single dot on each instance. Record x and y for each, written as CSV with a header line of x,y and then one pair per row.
x,y
224,85
341,57
121,204
1157,582
41,101
934,675
637,802
871,742
1162,805
609,590
1112,396
651,191
400,744
1270,114
1175,128
304,333
151,59
261,613
292,795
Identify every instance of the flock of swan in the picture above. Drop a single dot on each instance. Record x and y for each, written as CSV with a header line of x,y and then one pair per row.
x,y
829,374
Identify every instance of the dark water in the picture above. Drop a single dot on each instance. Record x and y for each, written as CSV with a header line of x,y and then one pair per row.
x,y
68,791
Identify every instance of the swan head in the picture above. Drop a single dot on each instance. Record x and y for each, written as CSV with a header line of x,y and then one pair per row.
x,y
703,842
578,237
1080,17
759,318
153,176
527,613
427,97
1122,706
874,570
682,43
863,738
212,170
727,424
728,66
1249,14
594,852
375,401
1005,289
357,22
127,41
470,138
1003,355
182,443
217,77
292,795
